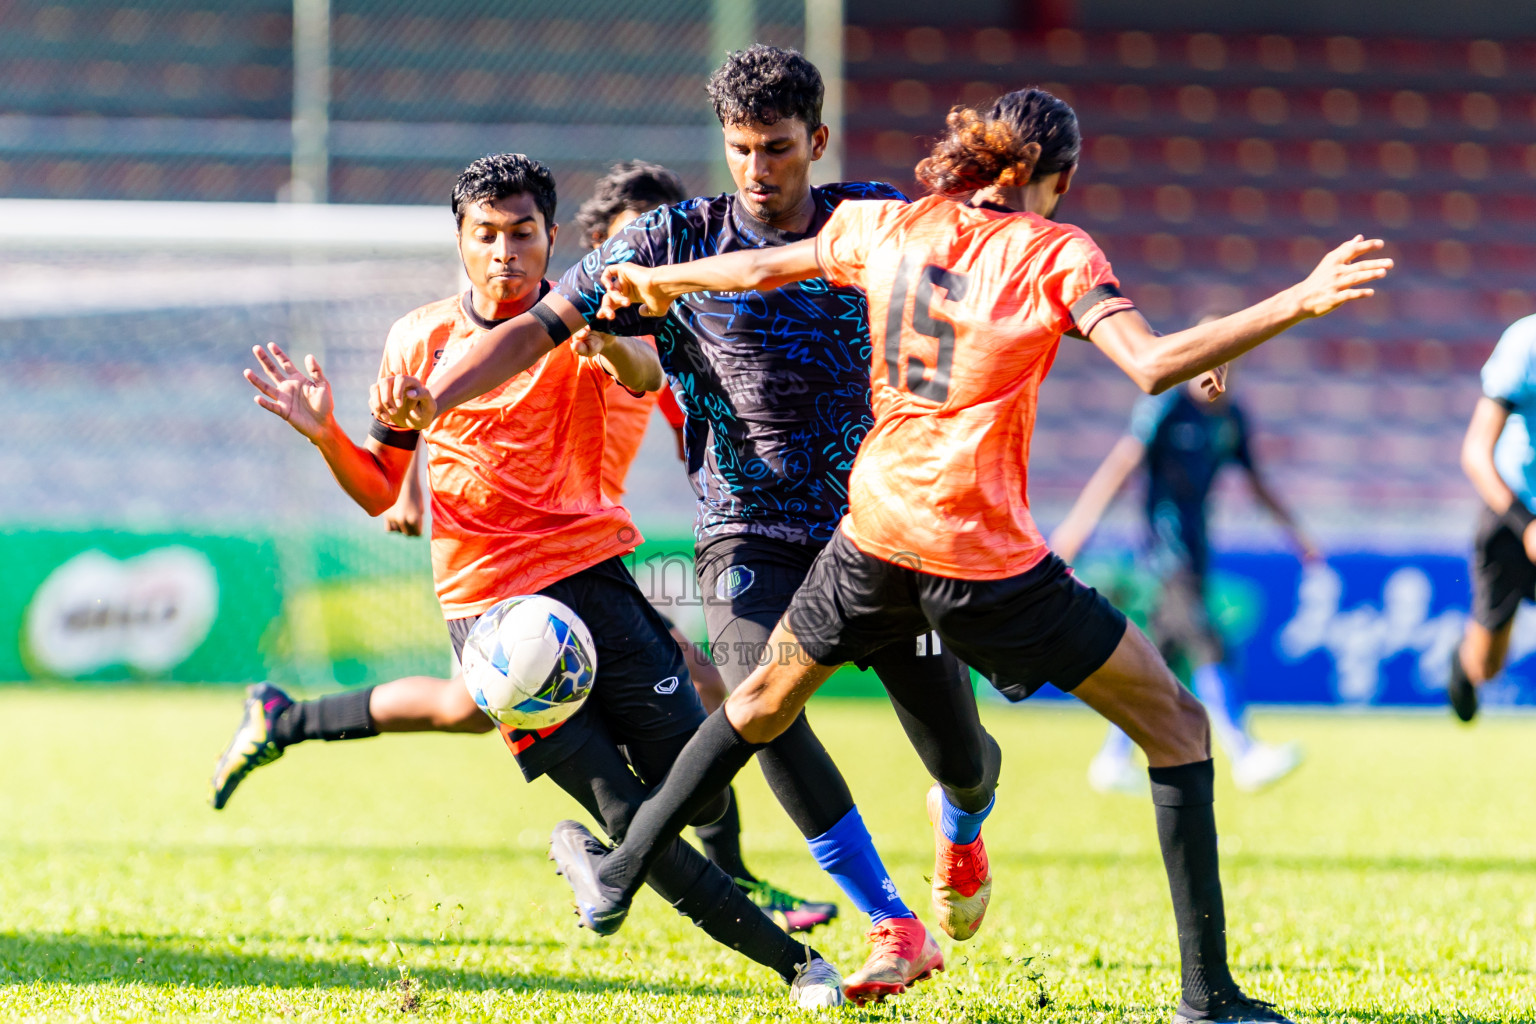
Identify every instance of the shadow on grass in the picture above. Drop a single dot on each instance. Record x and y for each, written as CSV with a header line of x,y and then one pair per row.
x,y
1346,1015
1282,861
175,960
118,849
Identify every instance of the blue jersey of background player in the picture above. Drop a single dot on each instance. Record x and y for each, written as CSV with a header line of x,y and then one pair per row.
x,y
1500,459
1183,440
1185,447
775,389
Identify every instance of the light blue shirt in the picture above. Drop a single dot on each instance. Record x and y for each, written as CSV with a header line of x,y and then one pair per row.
x,y
1509,378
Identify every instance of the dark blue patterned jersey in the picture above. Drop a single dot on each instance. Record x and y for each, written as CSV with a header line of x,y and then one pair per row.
x,y
774,386
1187,442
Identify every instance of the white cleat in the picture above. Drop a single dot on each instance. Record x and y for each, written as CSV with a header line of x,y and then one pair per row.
x,y
1265,765
1110,773
817,986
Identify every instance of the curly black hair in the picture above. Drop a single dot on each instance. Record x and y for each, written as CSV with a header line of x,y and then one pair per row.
x,y
505,174
1025,135
633,185
764,85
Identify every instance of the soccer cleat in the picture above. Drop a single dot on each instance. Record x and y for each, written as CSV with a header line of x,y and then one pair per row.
x,y
1264,765
1463,695
1112,773
904,954
252,745
1237,1010
817,986
962,880
577,854
792,913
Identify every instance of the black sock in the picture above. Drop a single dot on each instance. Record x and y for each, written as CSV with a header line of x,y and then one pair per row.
x,y
803,778
722,841
704,768
726,913
1459,675
1186,830
339,716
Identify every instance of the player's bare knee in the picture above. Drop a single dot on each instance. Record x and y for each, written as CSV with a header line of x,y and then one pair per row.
x,y
1194,728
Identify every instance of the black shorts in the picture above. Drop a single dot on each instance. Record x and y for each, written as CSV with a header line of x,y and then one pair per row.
x,y
1502,575
642,691
1041,626
748,581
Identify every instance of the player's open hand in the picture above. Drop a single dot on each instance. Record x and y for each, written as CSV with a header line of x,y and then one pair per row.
x,y
1339,278
402,401
303,399
630,284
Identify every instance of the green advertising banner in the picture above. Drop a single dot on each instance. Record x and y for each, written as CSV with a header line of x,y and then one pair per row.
x,y
104,605
316,610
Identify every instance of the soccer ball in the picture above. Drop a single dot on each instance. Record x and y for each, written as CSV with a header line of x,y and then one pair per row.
x,y
529,662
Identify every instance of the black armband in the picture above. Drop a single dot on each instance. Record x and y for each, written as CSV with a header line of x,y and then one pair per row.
x,y
1102,301
1518,517
558,332
385,434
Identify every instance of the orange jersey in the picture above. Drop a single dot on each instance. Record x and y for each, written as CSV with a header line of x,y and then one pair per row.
x,y
966,309
516,474
628,416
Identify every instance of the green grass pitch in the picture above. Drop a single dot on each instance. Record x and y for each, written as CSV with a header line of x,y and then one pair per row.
x,y
403,878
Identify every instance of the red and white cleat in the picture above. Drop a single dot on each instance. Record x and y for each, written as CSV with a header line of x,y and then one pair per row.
x,y
962,879
904,954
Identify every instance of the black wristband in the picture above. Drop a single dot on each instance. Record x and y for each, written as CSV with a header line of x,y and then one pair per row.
x,y
558,332
1518,517
385,434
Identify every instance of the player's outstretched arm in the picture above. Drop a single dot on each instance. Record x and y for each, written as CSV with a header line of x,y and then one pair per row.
x,y
407,513
1068,538
504,352
654,288
371,476
632,362
1157,363
1266,496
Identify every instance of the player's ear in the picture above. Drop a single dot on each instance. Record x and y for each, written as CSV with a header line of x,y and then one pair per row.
x,y
819,141
1065,181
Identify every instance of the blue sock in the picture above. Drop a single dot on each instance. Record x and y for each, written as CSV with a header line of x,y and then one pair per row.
x,y
847,853
961,826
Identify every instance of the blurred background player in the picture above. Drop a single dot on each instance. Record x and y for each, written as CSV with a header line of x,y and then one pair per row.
x,y
1183,439
776,392
1499,458
518,508
272,721
938,534
626,191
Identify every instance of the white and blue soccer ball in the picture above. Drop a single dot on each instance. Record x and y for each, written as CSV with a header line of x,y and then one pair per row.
x,y
529,662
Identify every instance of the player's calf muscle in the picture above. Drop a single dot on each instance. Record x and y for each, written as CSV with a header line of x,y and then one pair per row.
x,y
771,698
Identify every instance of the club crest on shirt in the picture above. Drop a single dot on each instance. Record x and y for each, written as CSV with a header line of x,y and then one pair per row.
x,y
667,685
734,582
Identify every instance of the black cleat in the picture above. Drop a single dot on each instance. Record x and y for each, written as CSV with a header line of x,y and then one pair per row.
x,y
577,854
1237,1010
253,744
1463,696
